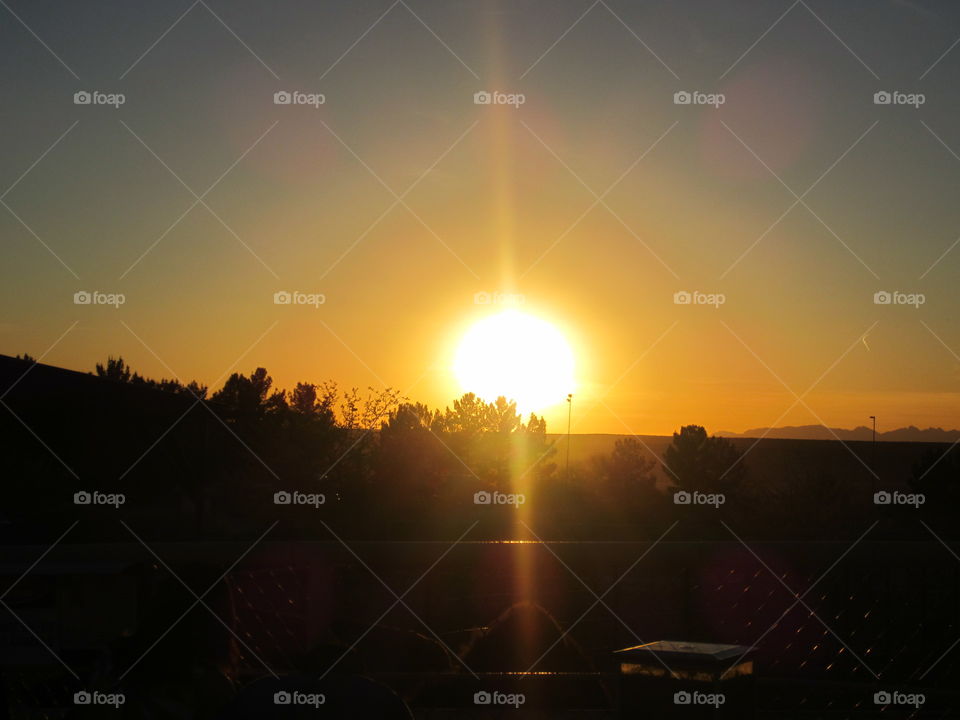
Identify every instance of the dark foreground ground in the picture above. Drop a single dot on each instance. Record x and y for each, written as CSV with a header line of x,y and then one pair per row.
x,y
200,597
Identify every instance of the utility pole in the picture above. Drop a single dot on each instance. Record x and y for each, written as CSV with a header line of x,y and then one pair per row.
x,y
873,449
569,416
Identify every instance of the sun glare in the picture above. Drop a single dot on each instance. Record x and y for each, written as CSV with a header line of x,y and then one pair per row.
x,y
518,356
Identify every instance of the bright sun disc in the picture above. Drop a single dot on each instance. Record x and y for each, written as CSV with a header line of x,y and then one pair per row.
x,y
518,356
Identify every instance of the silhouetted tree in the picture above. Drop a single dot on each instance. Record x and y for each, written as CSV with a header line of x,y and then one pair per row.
x,y
115,369
248,399
697,461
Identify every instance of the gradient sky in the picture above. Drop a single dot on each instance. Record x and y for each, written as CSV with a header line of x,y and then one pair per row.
x,y
505,199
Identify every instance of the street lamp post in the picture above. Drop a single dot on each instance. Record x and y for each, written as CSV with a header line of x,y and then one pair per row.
x,y
873,447
569,416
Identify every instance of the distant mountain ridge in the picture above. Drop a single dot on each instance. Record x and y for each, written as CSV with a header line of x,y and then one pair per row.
x,y
821,432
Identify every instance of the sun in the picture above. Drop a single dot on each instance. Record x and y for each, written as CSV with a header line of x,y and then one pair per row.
x,y
518,356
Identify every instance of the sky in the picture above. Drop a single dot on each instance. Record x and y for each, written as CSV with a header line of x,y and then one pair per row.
x,y
784,197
